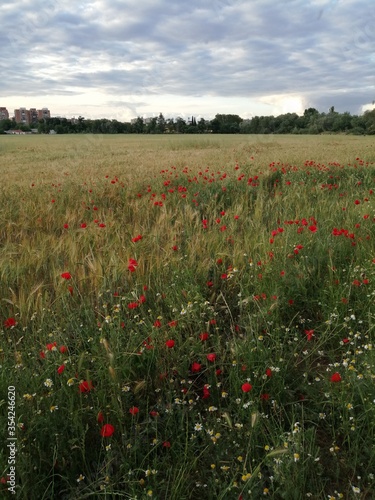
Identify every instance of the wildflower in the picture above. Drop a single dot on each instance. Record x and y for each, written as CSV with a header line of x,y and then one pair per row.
x,y
100,417
66,276
246,387
132,264
48,382
51,347
211,357
53,408
309,334
70,382
198,427
60,369
203,336
80,478
107,430
133,410
336,377
85,386
10,322
170,343
196,367
296,457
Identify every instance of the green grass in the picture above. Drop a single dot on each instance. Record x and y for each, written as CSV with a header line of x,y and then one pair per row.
x,y
276,288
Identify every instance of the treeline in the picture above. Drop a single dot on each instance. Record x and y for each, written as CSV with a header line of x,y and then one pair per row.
x,y
311,122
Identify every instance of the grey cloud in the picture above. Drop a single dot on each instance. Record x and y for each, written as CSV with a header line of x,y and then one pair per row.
x,y
228,48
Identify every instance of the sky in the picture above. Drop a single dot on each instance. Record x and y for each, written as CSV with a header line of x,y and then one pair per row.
x,y
120,59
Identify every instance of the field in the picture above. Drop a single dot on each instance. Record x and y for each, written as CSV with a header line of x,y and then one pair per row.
x,y
187,317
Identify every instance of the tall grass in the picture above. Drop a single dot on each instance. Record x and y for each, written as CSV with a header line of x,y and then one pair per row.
x,y
211,299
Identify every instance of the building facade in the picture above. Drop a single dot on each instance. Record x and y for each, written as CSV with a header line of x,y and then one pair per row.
x,y
31,116
4,115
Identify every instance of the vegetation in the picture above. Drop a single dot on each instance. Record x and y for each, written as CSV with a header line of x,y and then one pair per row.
x,y
312,122
188,317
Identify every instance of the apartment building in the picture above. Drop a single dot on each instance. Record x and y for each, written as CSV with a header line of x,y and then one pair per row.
x,y
31,116
4,115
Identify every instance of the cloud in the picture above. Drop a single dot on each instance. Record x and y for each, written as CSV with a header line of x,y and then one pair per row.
x,y
137,53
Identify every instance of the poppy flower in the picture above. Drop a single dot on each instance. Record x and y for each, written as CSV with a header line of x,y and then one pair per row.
x,y
211,357
60,369
246,387
100,417
133,410
203,336
66,276
196,367
63,349
336,377
9,322
85,386
107,430
170,343
132,264
309,334
269,372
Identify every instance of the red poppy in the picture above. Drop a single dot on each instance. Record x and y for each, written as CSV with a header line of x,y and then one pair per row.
x,y
107,430
133,410
196,367
100,417
66,276
51,346
246,387
60,369
66,226
63,349
9,322
83,225
166,444
211,357
336,377
85,386
269,372
172,323
132,264
203,336
170,343
133,305
309,334
206,392
157,323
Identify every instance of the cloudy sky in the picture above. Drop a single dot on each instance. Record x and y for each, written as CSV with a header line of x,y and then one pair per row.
x,y
126,58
